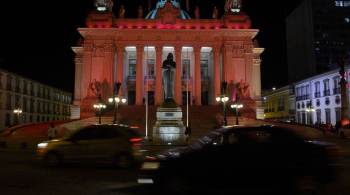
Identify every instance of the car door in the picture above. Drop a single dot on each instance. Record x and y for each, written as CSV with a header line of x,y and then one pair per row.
x,y
107,143
78,147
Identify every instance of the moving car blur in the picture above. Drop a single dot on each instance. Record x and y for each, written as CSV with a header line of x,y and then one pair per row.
x,y
118,144
262,158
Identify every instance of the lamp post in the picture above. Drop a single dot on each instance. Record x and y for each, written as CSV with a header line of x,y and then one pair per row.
x,y
236,106
18,112
116,101
223,99
99,107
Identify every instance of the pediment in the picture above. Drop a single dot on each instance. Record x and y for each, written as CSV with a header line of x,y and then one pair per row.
x,y
168,14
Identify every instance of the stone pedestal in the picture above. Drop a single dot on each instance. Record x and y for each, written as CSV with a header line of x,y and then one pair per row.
x,y
169,128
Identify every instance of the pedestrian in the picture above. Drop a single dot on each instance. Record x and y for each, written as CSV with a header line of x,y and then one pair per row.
x,y
188,133
52,131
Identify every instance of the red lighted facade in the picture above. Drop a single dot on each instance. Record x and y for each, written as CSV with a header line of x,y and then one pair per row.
x,y
131,51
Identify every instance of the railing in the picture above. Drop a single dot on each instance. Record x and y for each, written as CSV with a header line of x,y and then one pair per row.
x,y
303,97
317,94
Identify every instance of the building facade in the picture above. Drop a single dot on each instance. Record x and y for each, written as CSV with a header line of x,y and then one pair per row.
x,y
317,37
318,99
207,52
279,104
38,102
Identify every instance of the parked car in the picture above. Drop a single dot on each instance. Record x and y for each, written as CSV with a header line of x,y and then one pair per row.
x,y
117,143
261,157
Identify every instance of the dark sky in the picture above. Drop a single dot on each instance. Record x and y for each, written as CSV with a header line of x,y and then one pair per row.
x,y
36,36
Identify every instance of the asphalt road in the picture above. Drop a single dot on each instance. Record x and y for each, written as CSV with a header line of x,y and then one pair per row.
x,y
20,173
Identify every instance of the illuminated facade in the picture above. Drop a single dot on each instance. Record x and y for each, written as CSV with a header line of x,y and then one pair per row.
x,y
38,102
131,52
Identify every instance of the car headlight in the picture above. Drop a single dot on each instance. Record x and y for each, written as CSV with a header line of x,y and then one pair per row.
x,y
150,165
42,145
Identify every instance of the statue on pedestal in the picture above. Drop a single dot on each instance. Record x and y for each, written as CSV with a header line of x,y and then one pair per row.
x,y
169,67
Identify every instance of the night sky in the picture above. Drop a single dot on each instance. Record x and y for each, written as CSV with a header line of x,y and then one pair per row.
x,y
36,36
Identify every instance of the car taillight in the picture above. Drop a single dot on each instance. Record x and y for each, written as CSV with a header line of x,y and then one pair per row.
x,y
136,141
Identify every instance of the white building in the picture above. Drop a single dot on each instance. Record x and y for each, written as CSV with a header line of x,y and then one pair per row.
x,y
318,99
38,102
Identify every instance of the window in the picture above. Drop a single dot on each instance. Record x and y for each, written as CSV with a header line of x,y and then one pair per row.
x,y
86,134
132,67
31,89
17,85
150,67
317,90
25,87
337,114
327,102
24,104
328,116
336,84
326,91
318,116
204,69
337,99
9,102
9,82
281,106
186,69
318,103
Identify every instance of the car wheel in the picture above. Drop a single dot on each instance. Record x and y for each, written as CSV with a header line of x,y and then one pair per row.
x,y
52,159
124,161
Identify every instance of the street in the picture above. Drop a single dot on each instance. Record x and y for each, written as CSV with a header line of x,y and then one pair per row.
x,y
21,173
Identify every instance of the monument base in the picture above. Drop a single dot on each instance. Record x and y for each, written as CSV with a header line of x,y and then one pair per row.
x,y
169,128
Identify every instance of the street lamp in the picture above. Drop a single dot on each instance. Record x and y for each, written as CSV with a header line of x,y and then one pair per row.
x,y
236,106
99,107
223,99
116,101
18,112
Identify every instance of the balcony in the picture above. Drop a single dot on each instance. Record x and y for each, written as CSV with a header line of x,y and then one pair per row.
x,y
317,94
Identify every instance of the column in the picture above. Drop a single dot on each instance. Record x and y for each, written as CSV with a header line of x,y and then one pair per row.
x,y
197,73
159,85
178,80
139,75
78,76
120,66
86,69
108,63
217,79
226,62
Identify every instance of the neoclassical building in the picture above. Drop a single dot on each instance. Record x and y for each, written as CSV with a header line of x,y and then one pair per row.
x,y
207,53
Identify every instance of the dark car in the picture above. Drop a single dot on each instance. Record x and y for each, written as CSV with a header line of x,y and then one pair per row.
x,y
236,158
115,143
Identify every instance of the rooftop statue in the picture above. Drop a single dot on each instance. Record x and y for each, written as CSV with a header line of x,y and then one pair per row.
x,y
104,5
233,6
